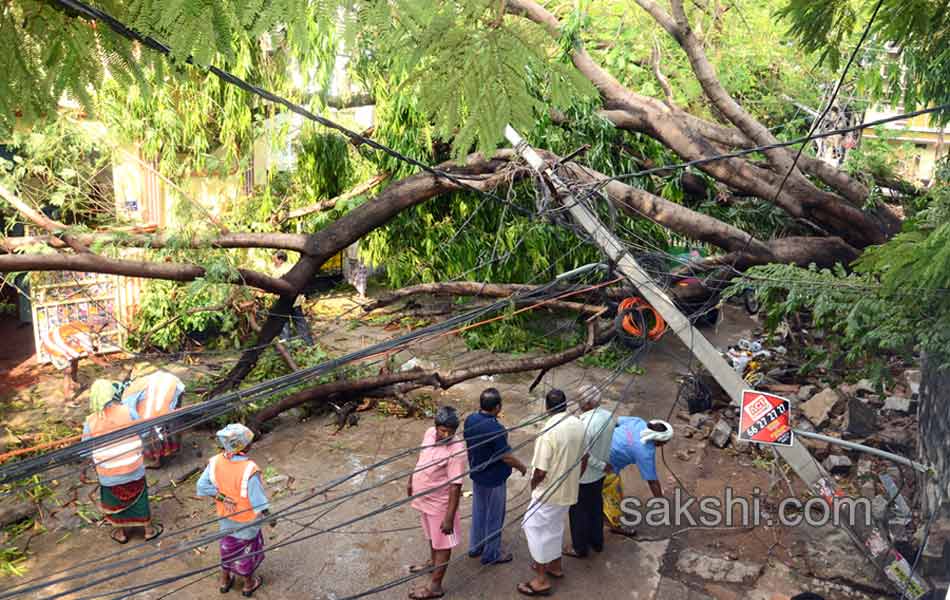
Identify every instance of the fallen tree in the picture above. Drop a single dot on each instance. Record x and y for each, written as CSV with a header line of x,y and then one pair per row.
x,y
405,381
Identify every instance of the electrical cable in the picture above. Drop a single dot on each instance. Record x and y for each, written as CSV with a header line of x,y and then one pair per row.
x,y
323,491
273,517
34,465
834,96
138,589
97,15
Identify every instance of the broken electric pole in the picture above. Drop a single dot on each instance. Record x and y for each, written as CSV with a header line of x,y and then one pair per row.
x,y
869,539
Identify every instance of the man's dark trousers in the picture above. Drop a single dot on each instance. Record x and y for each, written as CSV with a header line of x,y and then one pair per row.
x,y
488,518
587,518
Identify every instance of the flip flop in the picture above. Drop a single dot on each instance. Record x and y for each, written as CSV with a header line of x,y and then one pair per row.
x,y
159,529
507,558
414,594
224,589
573,553
527,590
117,540
250,592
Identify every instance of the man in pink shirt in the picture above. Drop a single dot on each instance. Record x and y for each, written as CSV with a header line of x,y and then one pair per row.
x,y
438,482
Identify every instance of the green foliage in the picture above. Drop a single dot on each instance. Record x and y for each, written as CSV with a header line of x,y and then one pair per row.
x,y
421,45
919,75
170,312
879,159
271,365
894,303
60,165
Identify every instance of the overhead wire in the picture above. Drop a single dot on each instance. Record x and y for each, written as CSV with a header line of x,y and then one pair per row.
x,y
125,593
317,493
161,557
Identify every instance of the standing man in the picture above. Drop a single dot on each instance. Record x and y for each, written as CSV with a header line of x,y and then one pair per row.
x,y
490,461
587,516
123,491
634,442
559,460
234,481
302,328
437,484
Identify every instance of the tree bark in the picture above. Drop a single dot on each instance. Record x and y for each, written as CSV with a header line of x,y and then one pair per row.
x,y
417,378
684,134
93,263
476,289
277,241
484,174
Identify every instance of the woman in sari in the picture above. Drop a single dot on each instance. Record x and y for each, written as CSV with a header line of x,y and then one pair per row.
x,y
234,481
123,491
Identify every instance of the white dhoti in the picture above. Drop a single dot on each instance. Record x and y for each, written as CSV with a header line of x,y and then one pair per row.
x,y
543,525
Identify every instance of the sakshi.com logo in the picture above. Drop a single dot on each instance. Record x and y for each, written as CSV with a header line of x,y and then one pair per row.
x,y
733,510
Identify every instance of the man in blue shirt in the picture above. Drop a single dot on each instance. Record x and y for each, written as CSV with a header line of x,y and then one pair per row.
x,y
490,460
635,442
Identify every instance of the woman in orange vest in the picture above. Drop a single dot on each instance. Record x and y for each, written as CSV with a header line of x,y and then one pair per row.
x,y
123,492
234,481
155,395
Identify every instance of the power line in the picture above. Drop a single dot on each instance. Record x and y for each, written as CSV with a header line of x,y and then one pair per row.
x,y
831,102
127,592
286,509
167,555
221,404
120,28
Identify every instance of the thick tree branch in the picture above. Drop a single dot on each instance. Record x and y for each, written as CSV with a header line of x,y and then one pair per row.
x,y
278,241
420,378
332,202
54,227
93,263
684,135
476,289
321,246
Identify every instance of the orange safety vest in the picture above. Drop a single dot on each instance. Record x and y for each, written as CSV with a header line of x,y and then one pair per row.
x,y
160,393
231,479
121,457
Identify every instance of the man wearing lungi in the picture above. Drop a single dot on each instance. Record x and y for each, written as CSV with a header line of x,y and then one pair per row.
x,y
559,460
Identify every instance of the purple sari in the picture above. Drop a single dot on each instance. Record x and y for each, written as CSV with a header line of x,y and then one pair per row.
x,y
242,557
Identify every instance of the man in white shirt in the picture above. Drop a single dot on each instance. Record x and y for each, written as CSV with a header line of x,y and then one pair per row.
x,y
559,460
587,516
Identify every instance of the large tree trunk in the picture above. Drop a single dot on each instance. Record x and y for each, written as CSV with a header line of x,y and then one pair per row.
x,y
354,225
692,138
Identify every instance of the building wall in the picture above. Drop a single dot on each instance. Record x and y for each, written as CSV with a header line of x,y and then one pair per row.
x,y
917,131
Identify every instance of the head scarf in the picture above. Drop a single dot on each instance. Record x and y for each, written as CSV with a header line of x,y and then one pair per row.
x,y
234,438
589,394
102,392
447,416
648,435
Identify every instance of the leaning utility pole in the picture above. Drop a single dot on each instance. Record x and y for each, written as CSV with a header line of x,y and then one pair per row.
x,y
872,543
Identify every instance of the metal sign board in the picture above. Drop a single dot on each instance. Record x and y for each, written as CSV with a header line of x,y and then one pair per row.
x,y
764,419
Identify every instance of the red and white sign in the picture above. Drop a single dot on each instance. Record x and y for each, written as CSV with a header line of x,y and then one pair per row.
x,y
765,419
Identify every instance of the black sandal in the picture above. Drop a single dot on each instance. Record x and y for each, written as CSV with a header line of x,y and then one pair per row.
x,y
159,530
117,540
224,589
250,592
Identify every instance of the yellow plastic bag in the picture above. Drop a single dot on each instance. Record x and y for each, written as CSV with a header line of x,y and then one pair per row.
x,y
613,495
